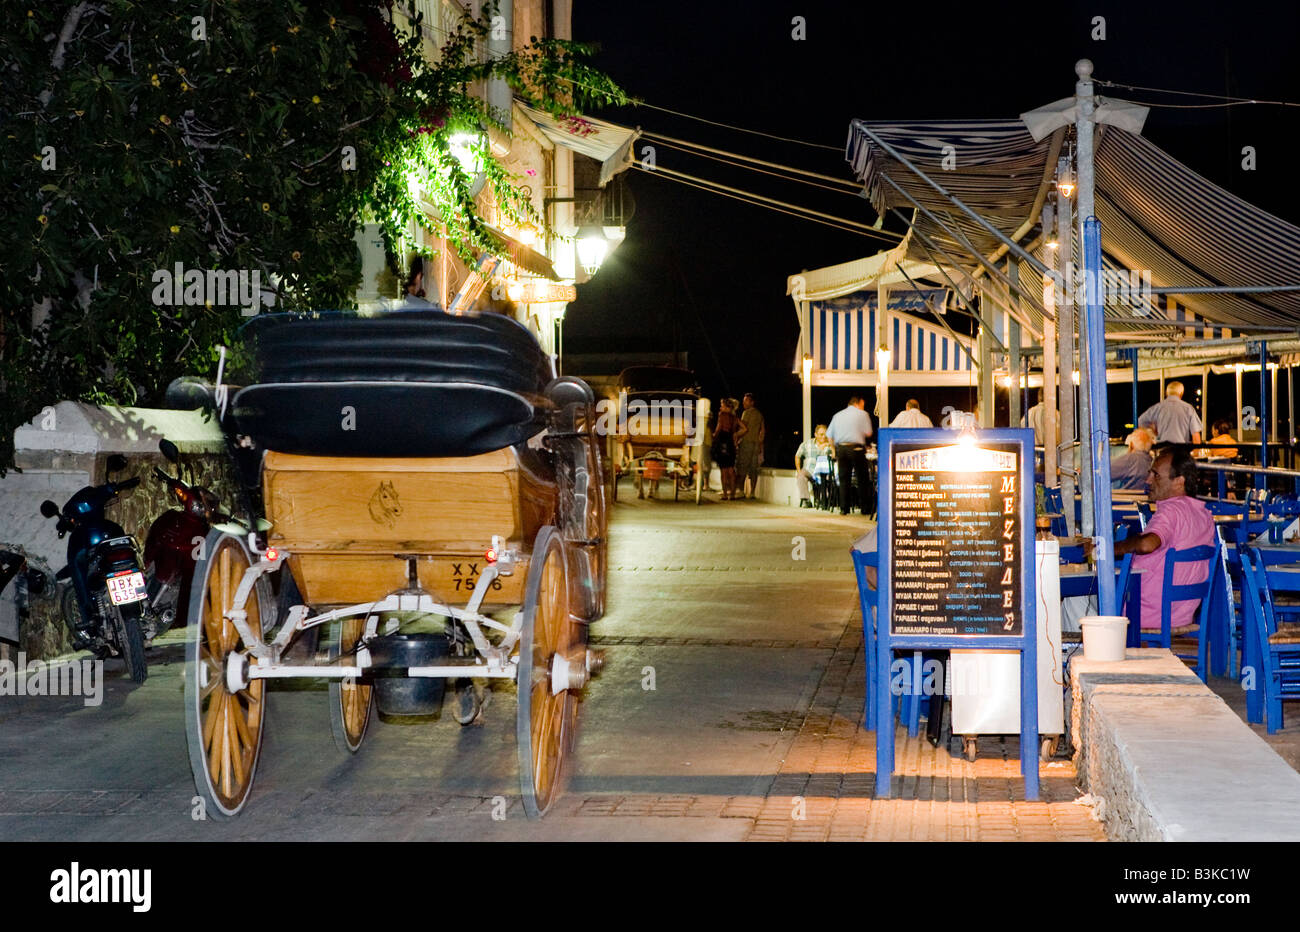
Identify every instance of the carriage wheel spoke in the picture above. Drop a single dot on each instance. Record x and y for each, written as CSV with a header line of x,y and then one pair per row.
x,y
241,724
225,749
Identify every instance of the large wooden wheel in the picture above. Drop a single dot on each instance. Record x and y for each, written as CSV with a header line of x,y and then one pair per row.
x,y
223,727
350,699
545,721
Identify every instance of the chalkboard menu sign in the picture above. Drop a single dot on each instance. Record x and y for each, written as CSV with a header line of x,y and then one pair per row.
x,y
955,560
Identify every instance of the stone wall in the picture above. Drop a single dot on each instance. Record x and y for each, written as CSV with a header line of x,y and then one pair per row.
x,y
1165,759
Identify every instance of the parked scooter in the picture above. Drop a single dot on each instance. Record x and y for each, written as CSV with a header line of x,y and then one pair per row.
x,y
107,611
174,542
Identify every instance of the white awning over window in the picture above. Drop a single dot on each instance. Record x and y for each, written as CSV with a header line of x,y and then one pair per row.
x,y
607,143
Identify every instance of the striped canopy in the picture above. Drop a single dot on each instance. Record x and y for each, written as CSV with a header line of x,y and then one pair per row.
x,y
1156,214
841,335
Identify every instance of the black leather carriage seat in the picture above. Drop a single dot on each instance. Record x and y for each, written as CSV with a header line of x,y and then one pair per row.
x,y
394,384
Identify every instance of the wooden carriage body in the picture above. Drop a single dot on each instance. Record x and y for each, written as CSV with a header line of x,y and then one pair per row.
x,y
344,520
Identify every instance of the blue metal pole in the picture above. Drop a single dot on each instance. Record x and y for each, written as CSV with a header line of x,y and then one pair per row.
x,y
1134,353
1261,481
1099,439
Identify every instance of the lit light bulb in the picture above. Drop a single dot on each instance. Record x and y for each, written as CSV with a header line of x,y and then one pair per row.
x,y
1065,184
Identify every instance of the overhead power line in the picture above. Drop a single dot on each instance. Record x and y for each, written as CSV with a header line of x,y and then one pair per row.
x,y
753,168
758,200
852,186
1227,101
634,102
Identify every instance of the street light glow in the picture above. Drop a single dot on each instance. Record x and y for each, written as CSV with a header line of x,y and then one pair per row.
x,y
592,249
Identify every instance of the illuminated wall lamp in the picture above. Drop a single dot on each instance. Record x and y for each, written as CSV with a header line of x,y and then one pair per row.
x,y
592,248
1065,184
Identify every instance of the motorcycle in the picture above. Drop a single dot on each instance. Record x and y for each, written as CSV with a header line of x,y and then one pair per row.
x,y
106,608
173,544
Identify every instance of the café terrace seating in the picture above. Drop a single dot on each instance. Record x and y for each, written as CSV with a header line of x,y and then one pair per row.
x,y
1276,645
1208,554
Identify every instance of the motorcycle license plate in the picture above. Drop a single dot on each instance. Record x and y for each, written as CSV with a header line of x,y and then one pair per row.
x,y
125,588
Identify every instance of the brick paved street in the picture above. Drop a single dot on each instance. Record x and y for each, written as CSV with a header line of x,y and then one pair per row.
x,y
729,709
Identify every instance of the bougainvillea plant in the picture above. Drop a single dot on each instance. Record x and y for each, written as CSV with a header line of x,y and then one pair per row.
x,y
251,135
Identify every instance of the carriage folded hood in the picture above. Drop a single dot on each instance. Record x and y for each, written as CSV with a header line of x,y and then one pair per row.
x,y
397,384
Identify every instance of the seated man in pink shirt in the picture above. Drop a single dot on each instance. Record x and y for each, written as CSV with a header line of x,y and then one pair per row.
x,y
1180,522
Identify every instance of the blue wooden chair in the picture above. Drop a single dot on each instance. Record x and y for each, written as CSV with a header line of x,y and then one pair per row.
x,y
911,703
867,600
1052,500
1123,572
1277,665
1207,554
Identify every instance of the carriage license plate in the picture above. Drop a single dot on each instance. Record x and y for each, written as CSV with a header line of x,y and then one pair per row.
x,y
454,579
126,587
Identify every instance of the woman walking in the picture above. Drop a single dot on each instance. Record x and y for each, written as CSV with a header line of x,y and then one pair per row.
x,y
728,430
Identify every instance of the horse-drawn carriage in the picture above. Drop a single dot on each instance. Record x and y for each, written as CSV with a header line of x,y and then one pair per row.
x,y
413,466
660,429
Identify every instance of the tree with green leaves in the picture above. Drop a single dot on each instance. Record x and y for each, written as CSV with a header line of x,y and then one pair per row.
x,y
248,135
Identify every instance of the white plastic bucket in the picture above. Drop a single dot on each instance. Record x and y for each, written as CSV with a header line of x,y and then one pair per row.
x,y
1104,637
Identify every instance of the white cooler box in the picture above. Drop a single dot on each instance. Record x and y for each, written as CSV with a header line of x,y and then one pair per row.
x,y
985,684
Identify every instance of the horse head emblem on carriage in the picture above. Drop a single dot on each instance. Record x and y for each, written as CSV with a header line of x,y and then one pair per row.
x,y
452,530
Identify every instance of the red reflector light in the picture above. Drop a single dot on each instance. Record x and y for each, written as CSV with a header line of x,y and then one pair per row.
x,y
272,554
491,556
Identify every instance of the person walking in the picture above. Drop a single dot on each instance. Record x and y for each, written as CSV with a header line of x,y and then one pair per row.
x,y
723,449
849,430
1174,420
749,448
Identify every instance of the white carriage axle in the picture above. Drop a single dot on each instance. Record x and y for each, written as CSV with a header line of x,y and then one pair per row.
x,y
277,671
299,618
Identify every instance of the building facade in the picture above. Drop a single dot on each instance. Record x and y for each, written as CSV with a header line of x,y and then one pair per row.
x,y
566,168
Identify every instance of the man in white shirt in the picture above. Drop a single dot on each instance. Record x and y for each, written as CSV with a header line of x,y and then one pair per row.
x,y
1173,420
849,430
1036,417
911,416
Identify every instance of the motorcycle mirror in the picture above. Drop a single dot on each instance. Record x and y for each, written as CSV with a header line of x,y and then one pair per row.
x,y
116,463
49,509
169,450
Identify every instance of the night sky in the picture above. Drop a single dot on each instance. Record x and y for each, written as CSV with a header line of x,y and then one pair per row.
x,y
705,274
